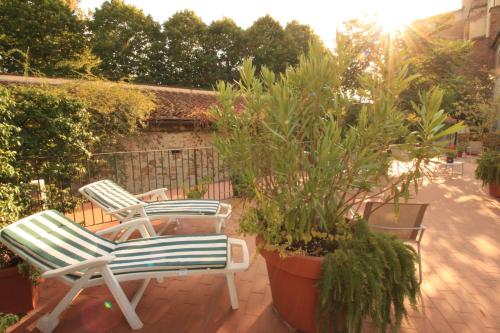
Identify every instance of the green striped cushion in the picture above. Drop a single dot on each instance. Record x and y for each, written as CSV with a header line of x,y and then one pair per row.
x,y
170,253
53,241
110,195
50,240
182,207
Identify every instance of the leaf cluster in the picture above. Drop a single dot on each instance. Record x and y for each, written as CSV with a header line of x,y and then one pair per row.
x,y
306,164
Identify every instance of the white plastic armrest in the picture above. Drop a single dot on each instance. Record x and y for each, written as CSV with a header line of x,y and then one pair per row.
x,y
228,208
158,194
132,207
124,225
398,228
89,263
240,266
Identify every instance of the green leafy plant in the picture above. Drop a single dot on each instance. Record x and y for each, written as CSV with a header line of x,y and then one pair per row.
x,y
199,190
36,121
451,154
313,149
29,272
116,110
488,167
359,276
7,320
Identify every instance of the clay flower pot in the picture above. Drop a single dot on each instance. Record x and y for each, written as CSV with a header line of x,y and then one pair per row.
x,y
494,190
19,296
293,283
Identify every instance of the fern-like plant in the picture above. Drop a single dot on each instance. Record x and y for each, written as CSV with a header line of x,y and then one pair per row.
x,y
370,275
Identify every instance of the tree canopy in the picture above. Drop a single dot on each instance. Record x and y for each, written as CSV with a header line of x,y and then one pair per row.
x,y
119,42
38,36
129,43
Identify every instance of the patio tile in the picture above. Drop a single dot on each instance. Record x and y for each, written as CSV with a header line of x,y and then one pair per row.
x,y
460,292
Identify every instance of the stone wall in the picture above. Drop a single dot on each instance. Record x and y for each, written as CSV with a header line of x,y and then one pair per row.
x,y
168,140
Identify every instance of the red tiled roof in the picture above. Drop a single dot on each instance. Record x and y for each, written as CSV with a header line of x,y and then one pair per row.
x,y
177,104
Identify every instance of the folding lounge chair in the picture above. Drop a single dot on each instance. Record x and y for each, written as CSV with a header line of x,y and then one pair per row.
x,y
123,205
405,224
63,249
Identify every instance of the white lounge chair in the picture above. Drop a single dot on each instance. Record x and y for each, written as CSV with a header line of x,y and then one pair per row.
x,y
63,249
123,205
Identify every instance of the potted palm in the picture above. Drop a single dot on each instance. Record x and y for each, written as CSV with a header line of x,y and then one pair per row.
x,y
309,165
488,171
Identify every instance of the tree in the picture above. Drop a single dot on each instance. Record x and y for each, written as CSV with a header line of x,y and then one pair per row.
x,y
224,45
187,60
432,62
297,39
266,44
129,44
37,35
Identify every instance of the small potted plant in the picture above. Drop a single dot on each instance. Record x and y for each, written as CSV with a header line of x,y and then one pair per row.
x,y
488,171
310,167
450,156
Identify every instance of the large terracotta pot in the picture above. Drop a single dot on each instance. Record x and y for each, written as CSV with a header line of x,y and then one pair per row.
x,y
495,190
18,295
293,283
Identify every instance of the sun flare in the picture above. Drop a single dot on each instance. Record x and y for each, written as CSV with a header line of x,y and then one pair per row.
x,y
395,15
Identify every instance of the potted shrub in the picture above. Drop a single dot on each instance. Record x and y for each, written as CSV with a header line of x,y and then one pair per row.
x,y
488,171
312,151
450,156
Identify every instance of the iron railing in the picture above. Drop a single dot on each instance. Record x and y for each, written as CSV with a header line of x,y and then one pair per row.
x,y
181,171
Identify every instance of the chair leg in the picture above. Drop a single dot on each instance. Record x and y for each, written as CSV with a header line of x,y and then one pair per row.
x,y
233,295
49,322
122,300
218,225
138,294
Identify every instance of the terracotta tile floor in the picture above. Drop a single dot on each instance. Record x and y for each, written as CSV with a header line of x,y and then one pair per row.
x,y
460,293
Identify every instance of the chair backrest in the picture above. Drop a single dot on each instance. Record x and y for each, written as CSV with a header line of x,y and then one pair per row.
x,y
50,240
109,195
408,215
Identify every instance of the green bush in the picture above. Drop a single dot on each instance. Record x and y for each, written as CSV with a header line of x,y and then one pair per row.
x,y
116,110
7,320
488,167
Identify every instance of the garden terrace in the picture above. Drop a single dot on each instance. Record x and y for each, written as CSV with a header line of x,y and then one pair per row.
x,y
460,292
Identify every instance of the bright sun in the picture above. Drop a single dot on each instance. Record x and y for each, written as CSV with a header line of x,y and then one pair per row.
x,y
395,15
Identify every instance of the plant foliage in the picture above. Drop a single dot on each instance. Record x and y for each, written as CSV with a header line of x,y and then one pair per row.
x,y
116,110
488,167
7,320
370,275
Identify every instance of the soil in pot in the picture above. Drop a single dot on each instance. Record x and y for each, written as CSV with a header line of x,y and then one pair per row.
x,y
449,160
293,283
18,295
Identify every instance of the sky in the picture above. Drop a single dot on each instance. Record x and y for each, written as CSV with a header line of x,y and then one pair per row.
x,y
322,15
